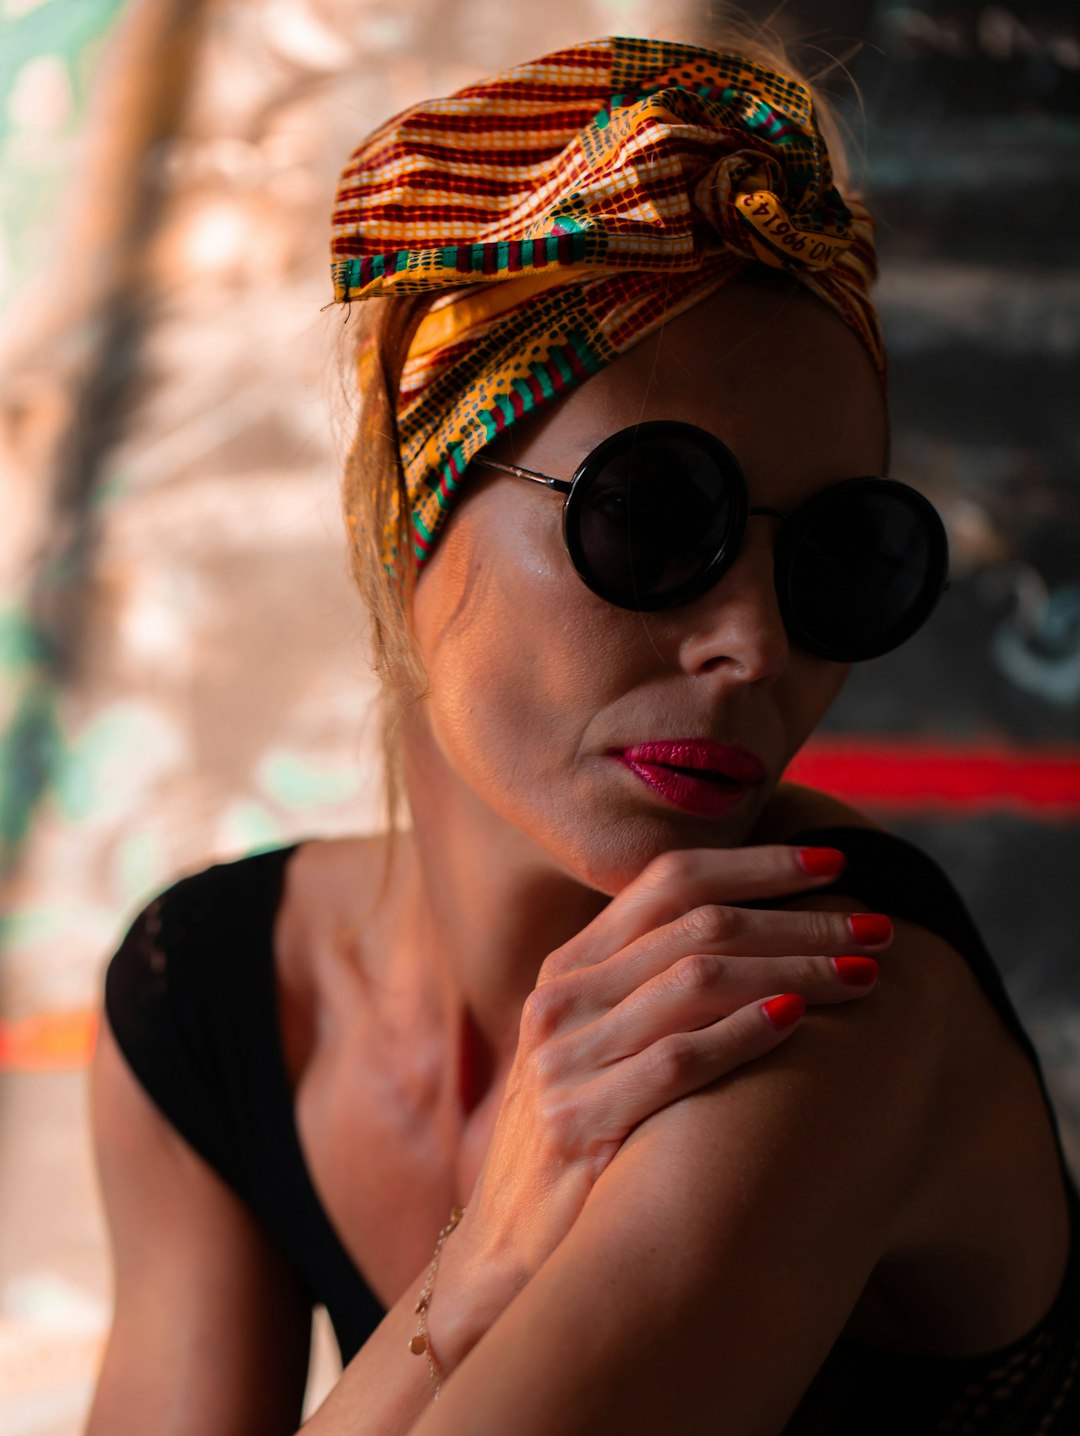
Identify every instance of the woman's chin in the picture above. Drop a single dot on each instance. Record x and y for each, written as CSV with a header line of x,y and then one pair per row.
x,y
608,856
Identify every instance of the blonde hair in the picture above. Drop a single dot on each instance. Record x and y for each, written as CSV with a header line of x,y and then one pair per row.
x,y
374,493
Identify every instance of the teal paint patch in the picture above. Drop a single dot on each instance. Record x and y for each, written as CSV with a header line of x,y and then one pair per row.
x,y
252,828
20,643
296,781
111,489
139,868
37,926
77,781
103,770
49,61
29,748
73,33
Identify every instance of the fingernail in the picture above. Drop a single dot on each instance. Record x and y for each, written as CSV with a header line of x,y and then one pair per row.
x,y
821,862
785,1010
871,929
856,971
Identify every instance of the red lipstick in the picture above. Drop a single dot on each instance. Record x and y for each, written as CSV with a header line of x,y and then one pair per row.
x,y
694,774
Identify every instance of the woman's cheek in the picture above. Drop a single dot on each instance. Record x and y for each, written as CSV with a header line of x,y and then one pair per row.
x,y
495,612
811,686
481,640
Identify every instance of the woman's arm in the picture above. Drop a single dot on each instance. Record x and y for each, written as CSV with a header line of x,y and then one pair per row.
x,y
585,1076
721,1253
212,1323
212,1327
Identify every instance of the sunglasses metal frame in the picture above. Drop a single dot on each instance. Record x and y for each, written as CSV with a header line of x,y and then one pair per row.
x,y
791,526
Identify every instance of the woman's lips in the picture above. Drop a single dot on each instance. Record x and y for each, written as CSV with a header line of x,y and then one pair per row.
x,y
695,774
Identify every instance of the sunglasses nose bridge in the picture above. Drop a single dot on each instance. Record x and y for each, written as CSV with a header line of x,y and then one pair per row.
x,y
737,621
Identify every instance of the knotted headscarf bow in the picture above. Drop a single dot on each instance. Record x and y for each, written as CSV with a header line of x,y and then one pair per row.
x,y
568,208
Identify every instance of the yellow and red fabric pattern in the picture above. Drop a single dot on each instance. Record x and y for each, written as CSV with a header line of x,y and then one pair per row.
x,y
564,210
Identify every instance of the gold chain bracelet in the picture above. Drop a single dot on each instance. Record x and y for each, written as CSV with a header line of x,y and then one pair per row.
x,y
420,1345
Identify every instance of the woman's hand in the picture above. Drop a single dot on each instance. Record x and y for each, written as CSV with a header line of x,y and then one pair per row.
x,y
663,993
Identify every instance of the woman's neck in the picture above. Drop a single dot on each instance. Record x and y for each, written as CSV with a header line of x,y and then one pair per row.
x,y
486,905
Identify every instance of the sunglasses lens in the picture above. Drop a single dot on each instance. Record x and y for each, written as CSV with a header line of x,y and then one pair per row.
x,y
652,514
657,512
861,569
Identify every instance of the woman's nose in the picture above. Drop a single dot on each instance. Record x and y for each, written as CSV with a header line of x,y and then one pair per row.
x,y
736,624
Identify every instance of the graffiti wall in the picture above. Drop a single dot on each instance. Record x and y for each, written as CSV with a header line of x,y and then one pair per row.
x,y
182,663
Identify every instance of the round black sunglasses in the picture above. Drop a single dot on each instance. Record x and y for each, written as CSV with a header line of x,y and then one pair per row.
x,y
655,515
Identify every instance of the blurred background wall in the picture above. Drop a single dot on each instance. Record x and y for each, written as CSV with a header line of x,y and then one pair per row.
x,y
182,673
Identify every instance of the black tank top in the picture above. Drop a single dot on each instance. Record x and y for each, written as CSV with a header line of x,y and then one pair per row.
x,y
191,1000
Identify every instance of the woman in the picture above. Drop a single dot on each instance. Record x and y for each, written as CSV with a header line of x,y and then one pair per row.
x,y
624,268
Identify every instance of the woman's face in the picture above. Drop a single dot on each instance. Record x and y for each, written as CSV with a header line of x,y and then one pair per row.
x,y
537,686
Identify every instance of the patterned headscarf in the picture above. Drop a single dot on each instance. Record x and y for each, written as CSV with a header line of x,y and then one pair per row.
x,y
564,210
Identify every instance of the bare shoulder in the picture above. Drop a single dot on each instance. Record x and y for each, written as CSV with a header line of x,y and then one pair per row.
x,y
794,808
976,1251
986,1208
913,1124
194,1271
346,877
858,1179
333,933
336,891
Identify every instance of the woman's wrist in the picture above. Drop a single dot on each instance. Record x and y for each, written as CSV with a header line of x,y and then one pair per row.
x,y
421,1343
469,1294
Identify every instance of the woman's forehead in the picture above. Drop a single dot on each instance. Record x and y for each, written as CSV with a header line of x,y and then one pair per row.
x,y
766,366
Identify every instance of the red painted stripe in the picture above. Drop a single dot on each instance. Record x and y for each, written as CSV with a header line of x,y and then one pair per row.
x,y
48,1041
931,777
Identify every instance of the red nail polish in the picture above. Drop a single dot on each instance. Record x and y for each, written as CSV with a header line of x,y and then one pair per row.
x,y
871,929
856,971
785,1010
822,862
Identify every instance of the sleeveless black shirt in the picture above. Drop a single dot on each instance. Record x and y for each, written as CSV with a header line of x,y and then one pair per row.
x,y
191,1000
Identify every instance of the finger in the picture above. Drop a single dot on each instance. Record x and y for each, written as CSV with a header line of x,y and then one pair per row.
x,y
702,988
682,879
735,932
683,1062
